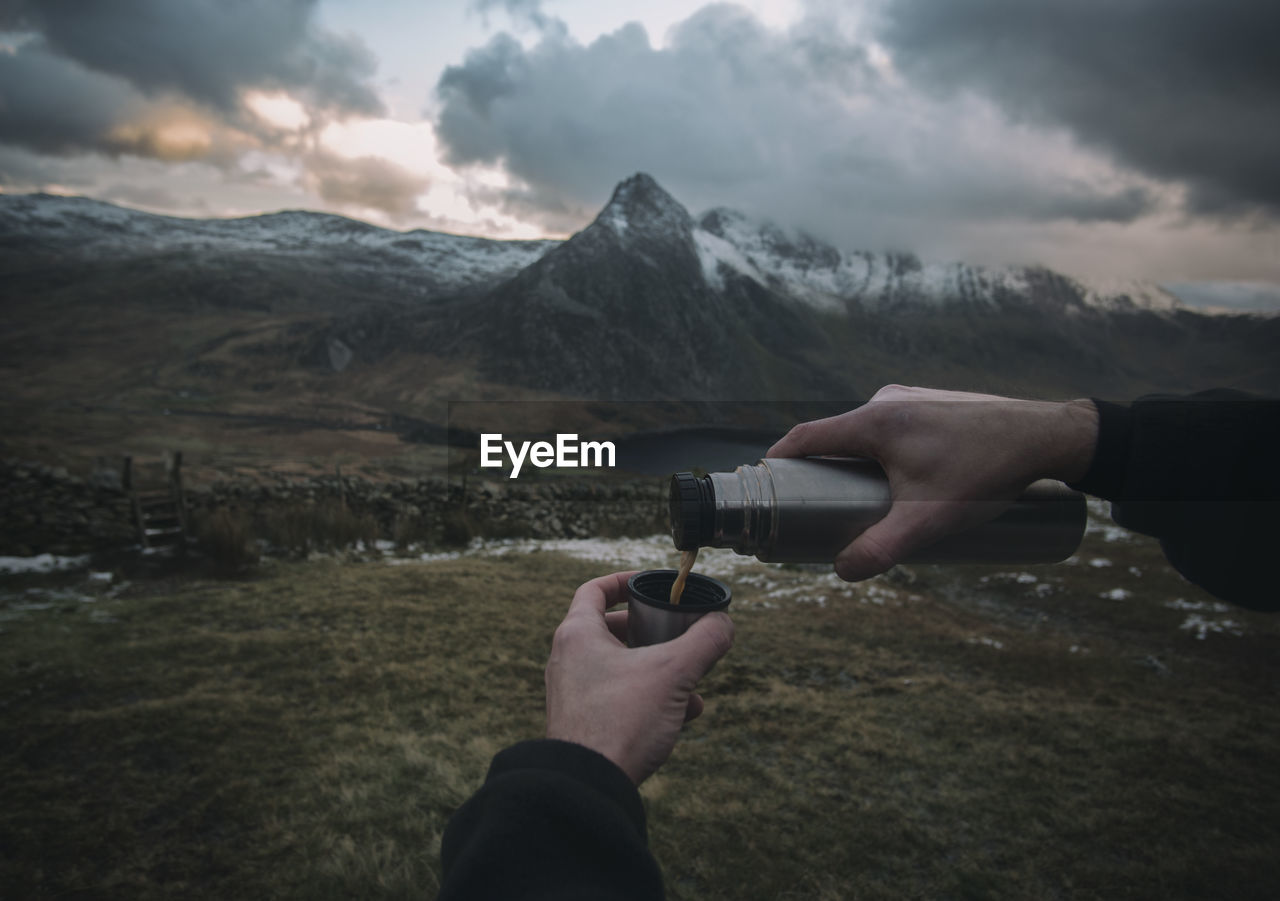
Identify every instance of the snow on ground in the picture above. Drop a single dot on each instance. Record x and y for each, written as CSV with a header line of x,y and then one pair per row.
x,y
1201,627
1019,578
41,563
1211,606
754,584
18,605
1099,522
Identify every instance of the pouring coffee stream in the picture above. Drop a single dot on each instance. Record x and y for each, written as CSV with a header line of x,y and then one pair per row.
x,y
687,559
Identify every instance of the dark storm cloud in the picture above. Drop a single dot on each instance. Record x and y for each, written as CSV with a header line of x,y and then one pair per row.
x,y
23,170
53,105
206,50
800,124
1183,90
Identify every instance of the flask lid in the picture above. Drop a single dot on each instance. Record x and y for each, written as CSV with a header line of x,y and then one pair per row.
x,y
693,507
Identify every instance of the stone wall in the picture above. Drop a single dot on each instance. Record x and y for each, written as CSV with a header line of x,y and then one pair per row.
x,y
49,509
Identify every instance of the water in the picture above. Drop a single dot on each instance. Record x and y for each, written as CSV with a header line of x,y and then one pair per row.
x,y
711,449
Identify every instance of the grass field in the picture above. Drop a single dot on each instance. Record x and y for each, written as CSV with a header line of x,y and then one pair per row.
x,y
306,730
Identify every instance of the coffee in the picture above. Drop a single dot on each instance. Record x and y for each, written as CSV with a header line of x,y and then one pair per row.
x,y
687,559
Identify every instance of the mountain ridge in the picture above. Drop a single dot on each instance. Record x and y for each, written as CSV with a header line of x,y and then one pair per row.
x,y
647,301
786,260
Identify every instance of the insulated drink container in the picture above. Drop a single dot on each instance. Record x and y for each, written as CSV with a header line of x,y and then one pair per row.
x,y
806,510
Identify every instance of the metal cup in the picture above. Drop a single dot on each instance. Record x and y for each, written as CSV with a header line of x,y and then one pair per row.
x,y
652,619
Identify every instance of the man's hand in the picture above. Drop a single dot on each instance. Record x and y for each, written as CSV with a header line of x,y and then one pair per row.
x,y
954,460
626,703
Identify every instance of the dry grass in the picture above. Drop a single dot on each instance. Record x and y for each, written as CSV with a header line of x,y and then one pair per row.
x,y
227,537
307,733
323,526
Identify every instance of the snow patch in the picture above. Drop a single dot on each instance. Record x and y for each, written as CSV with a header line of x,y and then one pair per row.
x,y
41,563
1201,627
1120,295
714,252
1212,606
755,584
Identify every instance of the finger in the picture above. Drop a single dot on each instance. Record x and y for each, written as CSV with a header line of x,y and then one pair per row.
x,y
705,642
845,435
694,708
907,526
594,597
617,623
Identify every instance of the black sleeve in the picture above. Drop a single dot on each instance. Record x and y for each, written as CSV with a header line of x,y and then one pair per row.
x,y
553,820
1202,474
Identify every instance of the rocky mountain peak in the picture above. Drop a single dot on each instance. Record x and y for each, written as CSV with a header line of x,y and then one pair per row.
x,y
639,203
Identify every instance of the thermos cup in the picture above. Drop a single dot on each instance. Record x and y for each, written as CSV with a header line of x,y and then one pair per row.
x,y
652,619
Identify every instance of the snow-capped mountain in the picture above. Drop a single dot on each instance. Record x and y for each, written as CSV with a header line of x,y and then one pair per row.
x,y
92,229
810,271
727,244
623,308
645,302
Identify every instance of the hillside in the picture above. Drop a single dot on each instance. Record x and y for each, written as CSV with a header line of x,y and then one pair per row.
x,y
308,337
648,303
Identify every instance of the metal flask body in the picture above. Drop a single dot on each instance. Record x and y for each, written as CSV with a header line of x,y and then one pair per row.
x,y
806,510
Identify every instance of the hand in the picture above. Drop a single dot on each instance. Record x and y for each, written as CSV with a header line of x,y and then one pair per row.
x,y
954,460
626,703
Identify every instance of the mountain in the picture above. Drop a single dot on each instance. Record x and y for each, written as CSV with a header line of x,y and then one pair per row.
x,y
647,302
805,269
434,264
623,309
260,262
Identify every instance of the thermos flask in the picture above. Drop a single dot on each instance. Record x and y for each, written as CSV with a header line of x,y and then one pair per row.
x,y
806,510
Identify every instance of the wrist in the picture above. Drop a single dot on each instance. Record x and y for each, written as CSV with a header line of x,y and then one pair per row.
x,y
1075,440
595,741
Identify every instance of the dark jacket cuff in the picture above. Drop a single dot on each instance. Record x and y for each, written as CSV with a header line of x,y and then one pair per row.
x,y
1106,475
579,762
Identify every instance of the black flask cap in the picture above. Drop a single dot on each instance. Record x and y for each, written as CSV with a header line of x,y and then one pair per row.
x,y
693,507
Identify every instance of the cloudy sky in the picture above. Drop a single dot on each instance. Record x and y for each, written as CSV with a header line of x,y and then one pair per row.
x,y
1106,139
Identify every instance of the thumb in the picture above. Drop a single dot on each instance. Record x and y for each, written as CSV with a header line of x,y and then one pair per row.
x,y
705,642
907,526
